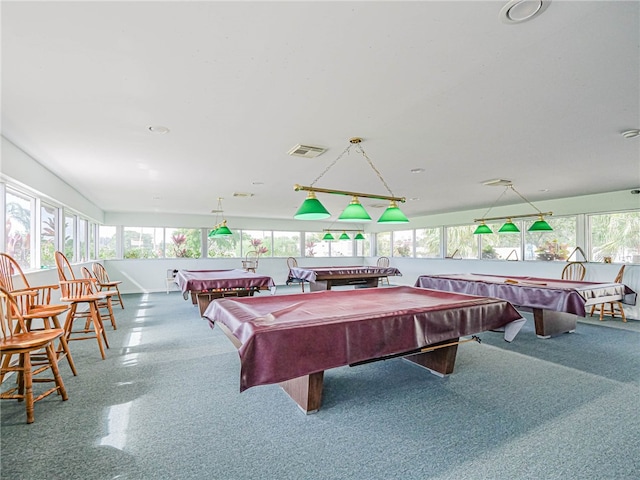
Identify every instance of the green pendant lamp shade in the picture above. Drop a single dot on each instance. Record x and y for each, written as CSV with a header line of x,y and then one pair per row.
x,y
212,233
311,209
359,236
540,225
393,214
354,212
509,227
222,230
328,236
482,229
344,236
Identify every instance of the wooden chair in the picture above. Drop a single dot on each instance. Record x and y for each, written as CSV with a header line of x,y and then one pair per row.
x,y
292,263
78,292
574,271
34,303
611,308
250,262
15,339
105,284
105,306
171,278
383,262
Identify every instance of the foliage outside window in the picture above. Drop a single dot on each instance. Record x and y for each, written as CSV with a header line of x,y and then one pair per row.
x,y
48,235
342,248
286,244
501,246
461,242
182,242
92,241
82,239
69,236
363,247
314,246
143,242
555,245
106,242
617,236
383,244
224,247
18,227
403,243
428,242
256,241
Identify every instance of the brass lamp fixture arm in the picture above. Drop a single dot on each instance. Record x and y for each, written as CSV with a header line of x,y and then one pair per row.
x,y
298,188
488,219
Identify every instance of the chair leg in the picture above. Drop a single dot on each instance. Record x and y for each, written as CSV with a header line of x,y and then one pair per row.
x,y
63,350
120,298
56,372
26,384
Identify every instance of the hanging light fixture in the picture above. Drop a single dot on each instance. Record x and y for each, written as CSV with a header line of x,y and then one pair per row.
x,y
344,235
509,227
220,229
312,209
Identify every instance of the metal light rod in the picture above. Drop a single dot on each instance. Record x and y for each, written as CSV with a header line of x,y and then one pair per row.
x,y
297,188
341,230
543,214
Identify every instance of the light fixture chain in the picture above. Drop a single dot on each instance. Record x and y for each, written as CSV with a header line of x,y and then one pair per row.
x,y
518,193
361,150
331,165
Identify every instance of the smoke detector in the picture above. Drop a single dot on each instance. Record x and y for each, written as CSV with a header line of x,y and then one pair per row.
x,y
306,151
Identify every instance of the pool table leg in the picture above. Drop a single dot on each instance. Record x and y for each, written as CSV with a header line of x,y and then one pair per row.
x,y
549,323
306,391
439,361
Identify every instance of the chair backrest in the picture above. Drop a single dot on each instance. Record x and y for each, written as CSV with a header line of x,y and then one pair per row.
x,y
9,315
100,273
574,271
251,260
8,268
292,263
618,278
64,267
383,262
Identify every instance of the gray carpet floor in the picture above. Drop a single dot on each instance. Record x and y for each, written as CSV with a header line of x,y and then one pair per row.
x,y
165,404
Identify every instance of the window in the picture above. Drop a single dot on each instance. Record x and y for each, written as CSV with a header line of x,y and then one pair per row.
x,y
615,235
314,246
555,245
19,212
428,242
342,248
48,235
182,242
140,242
227,246
106,242
403,243
383,244
363,247
286,244
461,242
501,246
69,236
92,241
82,239
256,240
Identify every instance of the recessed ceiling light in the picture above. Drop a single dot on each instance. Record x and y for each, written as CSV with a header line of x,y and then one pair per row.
x,y
159,129
257,183
518,11
242,194
417,170
631,133
414,199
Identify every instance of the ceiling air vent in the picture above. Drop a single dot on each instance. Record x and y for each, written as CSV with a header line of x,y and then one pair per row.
x,y
306,151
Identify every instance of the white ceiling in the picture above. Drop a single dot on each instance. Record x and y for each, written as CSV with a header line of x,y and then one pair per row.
x,y
443,86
